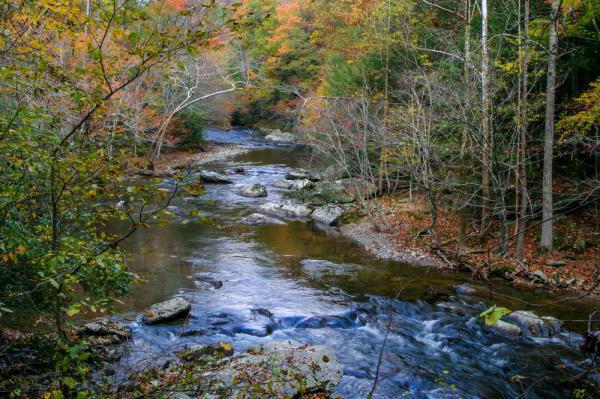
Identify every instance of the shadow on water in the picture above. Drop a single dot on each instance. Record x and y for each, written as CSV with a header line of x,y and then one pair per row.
x,y
294,281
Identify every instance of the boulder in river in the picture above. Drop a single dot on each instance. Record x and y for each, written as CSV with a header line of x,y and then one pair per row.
x,y
286,211
210,176
328,215
532,324
259,218
466,289
169,310
253,191
280,368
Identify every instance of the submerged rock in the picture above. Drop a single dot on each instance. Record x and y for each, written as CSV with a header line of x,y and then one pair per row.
x,y
166,311
259,218
210,176
279,369
286,211
208,279
253,191
507,329
327,215
544,326
465,289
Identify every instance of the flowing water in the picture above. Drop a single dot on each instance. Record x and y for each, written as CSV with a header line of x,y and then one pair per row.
x,y
294,281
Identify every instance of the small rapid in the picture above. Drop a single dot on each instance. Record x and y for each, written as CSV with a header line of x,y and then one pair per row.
x,y
295,281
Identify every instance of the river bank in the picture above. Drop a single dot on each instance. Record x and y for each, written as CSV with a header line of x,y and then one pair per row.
x,y
569,269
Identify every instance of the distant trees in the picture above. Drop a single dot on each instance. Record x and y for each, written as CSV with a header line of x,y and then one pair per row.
x,y
492,68
75,93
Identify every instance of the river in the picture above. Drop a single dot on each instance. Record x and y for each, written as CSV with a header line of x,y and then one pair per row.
x,y
297,281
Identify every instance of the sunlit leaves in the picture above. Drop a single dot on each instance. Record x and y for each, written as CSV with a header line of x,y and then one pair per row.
x,y
493,314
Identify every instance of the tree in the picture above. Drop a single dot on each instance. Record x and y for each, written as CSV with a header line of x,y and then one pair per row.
x,y
547,237
486,137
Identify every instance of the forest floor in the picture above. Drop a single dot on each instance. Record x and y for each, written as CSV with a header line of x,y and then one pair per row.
x,y
574,265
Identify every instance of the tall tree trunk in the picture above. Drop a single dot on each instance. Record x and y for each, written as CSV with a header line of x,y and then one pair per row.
x,y
523,125
464,211
485,128
547,214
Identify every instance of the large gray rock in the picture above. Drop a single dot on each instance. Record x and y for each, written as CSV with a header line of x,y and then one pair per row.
x,y
166,311
279,369
286,211
210,176
259,218
253,191
327,215
532,324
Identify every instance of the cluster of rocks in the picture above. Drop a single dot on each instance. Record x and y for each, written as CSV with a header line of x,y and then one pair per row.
x,y
277,369
322,201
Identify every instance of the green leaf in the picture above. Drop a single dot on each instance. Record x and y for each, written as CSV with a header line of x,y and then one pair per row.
x,y
493,314
73,309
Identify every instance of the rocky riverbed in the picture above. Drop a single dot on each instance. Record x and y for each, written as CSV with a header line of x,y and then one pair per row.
x,y
258,271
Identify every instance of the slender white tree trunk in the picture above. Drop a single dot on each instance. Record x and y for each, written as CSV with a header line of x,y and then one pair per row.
x,y
485,128
523,124
547,215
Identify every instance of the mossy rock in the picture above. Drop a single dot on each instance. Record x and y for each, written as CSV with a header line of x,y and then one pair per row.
x,y
323,193
502,269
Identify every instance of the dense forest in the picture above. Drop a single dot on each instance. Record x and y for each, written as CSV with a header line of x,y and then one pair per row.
x,y
464,132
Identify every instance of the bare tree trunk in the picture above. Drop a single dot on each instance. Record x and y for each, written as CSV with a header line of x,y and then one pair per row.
x,y
547,214
485,129
523,125
464,211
